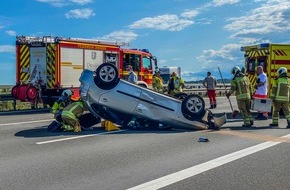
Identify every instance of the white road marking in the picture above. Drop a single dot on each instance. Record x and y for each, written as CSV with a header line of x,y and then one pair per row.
x,y
195,170
78,137
25,122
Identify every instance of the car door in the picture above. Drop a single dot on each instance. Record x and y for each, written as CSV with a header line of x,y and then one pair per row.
x,y
156,106
123,98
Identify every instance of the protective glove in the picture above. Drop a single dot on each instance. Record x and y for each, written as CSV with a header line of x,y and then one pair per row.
x,y
228,95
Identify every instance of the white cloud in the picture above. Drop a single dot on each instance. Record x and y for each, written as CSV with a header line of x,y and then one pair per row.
x,y
81,2
61,3
189,13
272,17
120,36
7,49
224,2
56,3
162,22
11,32
224,54
80,13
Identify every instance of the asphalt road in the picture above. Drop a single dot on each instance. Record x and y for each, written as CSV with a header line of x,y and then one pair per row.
x,y
235,158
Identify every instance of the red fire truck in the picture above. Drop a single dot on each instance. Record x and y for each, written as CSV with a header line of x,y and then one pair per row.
x,y
47,65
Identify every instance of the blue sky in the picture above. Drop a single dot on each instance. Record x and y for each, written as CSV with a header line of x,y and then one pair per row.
x,y
198,36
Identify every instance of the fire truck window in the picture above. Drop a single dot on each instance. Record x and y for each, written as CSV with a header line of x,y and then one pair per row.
x,y
262,62
146,63
251,65
135,62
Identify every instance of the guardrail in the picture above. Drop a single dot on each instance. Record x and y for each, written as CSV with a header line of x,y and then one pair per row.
x,y
8,97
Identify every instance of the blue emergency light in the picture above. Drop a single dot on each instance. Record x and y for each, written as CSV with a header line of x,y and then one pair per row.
x,y
264,45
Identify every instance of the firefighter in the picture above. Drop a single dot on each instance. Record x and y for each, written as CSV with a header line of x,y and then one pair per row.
x,y
70,116
56,109
243,88
61,103
157,82
175,84
280,97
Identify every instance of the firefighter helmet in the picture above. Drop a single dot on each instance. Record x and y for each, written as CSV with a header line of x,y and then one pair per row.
x,y
282,70
157,71
235,70
67,93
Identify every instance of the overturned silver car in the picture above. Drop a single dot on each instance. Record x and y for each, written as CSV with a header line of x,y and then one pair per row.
x,y
114,99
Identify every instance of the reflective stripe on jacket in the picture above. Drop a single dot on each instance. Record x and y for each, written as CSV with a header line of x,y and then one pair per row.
x,y
59,105
280,90
74,110
242,86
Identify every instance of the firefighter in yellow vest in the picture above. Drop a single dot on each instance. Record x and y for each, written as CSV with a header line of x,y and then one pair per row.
x,y
56,110
157,82
70,116
280,96
175,84
243,88
61,103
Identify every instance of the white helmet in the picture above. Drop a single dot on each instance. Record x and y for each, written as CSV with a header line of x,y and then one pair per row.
x,y
67,93
235,70
282,70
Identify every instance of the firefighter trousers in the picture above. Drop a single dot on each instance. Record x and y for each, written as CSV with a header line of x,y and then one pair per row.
x,y
244,107
71,124
276,108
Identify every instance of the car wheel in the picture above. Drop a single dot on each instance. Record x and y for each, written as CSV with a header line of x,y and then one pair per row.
x,y
106,76
192,107
180,95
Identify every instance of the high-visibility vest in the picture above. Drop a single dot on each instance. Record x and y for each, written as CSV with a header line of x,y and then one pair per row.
x,y
280,90
74,110
242,86
59,105
157,83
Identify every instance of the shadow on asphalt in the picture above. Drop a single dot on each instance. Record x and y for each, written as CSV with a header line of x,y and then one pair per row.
x,y
42,132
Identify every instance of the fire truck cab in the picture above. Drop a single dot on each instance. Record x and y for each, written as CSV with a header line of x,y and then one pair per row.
x,y
270,56
47,65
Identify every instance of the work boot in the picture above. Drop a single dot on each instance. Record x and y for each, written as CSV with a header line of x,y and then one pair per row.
x,y
246,125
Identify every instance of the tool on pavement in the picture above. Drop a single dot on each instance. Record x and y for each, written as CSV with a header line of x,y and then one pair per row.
x,y
234,112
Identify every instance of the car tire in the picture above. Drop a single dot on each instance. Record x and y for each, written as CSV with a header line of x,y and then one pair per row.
x,y
107,76
180,95
192,107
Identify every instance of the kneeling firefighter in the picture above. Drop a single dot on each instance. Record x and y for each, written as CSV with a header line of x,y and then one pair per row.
x,y
71,114
56,109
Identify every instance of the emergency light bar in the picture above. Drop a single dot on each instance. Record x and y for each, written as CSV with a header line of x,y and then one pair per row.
x,y
264,45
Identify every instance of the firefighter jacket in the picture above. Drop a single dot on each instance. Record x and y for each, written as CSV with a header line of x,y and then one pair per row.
x,y
74,110
280,90
175,84
59,105
157,83
242,86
